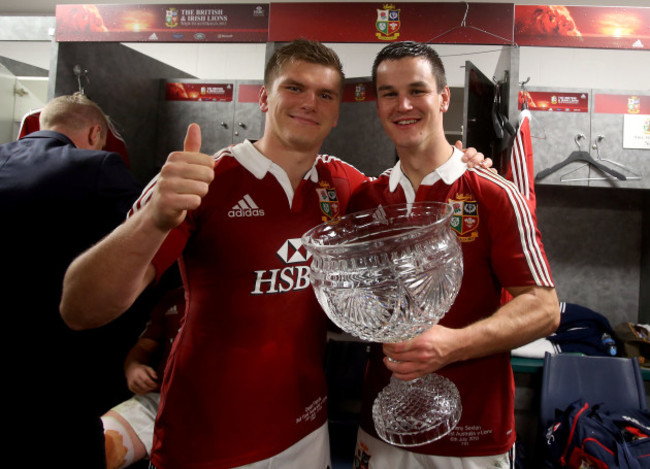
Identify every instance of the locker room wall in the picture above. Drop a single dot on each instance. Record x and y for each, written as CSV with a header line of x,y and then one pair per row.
x,y
584,230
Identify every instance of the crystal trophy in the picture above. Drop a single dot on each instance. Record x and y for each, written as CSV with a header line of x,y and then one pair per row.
x,y
387,275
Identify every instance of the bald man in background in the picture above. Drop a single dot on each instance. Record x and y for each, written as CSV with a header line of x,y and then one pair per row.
x,y
59,194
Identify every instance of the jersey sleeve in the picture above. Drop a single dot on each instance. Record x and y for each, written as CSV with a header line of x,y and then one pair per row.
x,y
348,179
517,253
156,326
173,246
171,249
356,178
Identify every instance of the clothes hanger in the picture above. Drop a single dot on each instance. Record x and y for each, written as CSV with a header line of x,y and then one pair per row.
x,y
634,175
579,156
463,24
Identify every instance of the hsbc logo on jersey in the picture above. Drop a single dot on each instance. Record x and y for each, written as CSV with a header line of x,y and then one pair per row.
x,y
293,252
289,278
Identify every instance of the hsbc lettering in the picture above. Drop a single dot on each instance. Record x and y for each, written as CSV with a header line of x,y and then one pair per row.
x,y
281,280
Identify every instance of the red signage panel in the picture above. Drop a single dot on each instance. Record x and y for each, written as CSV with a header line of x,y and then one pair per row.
x,y
162,23
555,101
221,92
248,93
458,23
582,26
621,104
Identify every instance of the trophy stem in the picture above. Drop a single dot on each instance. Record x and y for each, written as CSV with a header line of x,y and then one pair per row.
x,y
416,412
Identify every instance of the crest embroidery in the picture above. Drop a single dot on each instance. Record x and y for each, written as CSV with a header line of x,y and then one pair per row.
x,y
361,458
465,219
328,201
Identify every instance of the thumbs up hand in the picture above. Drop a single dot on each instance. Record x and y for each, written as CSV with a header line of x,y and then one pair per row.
x,y
182,183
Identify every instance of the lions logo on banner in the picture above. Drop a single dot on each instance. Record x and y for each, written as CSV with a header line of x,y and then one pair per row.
x,y
633,105
387,23
465,218
329,203
360,92
171,17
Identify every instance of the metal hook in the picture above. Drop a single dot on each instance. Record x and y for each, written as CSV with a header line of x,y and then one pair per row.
x,y
634,175
599,139
577,139
78,72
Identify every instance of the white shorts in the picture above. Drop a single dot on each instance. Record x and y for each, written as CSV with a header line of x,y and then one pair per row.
x,y
140,412
373,453
313,451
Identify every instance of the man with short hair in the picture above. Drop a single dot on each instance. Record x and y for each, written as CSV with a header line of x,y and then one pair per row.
x,y
244,382
501,248
59,194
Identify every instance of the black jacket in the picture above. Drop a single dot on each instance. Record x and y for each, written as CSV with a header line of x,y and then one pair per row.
x,y
56,200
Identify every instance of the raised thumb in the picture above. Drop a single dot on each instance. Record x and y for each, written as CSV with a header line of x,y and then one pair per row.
x,y
193,139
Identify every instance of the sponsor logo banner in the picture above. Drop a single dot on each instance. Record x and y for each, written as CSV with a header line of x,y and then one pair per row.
x,y
198,92
555,101
166,23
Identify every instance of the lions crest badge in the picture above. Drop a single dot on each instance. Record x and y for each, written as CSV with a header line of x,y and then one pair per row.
x,y
328,200
465,219
387,23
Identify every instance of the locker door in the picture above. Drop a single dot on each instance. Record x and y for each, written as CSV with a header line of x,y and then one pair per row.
x,y
209,104
618,114
248,120
7,83
560,130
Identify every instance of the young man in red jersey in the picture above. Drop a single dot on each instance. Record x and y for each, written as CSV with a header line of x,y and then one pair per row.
x,y
501,248
244,383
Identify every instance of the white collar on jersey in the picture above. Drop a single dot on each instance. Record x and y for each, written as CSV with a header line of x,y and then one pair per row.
x,y
258,164
449,172
250,158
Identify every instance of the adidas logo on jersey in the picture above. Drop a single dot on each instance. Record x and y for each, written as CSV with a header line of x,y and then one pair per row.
x,y
246,207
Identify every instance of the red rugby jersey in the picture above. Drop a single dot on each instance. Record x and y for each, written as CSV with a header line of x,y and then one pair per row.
x,y
245,377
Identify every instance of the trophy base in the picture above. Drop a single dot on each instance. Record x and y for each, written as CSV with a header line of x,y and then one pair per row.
x,y
417,412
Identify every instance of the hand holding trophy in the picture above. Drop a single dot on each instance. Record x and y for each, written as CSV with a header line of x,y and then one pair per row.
x,y
387,275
